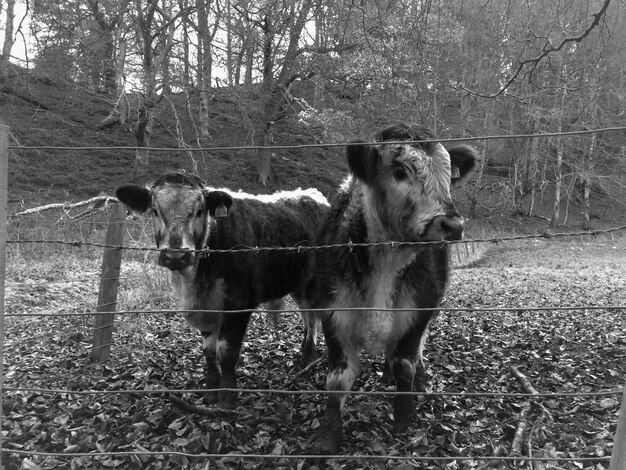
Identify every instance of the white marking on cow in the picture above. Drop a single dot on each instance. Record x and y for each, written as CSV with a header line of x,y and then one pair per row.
x,y
374,330
279,196
186,293
344,379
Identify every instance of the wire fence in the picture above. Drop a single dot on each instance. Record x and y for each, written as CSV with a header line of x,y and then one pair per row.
x,y
282,392
86,245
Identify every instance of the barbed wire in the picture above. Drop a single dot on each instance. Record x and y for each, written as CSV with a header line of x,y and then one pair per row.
x,y
547,235
325,145
349,245
271,391
305,456
325,310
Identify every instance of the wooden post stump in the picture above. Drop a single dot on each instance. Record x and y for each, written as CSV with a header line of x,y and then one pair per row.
x,y
618,456
109,282
4,170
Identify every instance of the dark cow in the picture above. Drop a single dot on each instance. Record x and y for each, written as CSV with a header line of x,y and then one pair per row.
x,y
396,192
187,217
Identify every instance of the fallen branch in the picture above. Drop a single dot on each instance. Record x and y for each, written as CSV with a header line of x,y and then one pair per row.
x,y
97,201
306,369
528,388
201,410
523,380
518,437
221,412
522,422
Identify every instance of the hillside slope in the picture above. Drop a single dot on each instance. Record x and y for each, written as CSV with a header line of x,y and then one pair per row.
x,y
41,113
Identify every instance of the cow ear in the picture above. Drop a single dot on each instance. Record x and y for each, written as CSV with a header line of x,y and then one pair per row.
x,y
464,159
363,160
218,203
136,197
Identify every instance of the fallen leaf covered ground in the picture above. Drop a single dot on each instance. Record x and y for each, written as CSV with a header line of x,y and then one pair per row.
x,y
558,351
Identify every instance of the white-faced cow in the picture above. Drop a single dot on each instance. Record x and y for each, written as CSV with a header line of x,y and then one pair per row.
x,y
396,192
189,217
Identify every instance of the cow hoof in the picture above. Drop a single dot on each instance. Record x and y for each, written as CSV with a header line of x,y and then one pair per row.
x,y
328,443
308,359
227,400
403,413
210,398
329,437
400,426
212,384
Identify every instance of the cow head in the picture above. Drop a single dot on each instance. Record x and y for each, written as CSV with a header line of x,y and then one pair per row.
x,y
408,185
181,209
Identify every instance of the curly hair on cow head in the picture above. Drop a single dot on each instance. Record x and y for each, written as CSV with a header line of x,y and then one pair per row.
x,y
178,178
402,131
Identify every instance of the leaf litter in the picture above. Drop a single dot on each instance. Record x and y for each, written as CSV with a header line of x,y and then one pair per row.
x,y
557,351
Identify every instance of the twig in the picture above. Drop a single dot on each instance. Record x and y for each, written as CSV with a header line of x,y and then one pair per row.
x,y
97,201
523,380
201,410
528,388
307,368
522,422
221,412
518,437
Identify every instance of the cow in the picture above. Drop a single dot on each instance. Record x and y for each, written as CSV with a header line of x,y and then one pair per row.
x,y
395,192
188,217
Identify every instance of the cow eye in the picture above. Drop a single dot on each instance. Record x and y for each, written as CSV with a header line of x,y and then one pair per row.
x,y
399,174
199,213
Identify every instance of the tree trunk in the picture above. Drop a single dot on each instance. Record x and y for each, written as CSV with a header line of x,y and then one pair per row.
x,y
148,98
205,64
119,81
586,183
5,56
109,72
273,93
142,155
558,173
533,173
263,161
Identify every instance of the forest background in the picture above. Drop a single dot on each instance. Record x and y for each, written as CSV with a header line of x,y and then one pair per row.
x,y
185,74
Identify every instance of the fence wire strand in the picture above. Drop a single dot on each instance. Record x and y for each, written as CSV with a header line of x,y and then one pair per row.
x,y
607,393
91,246
321,310
349,245
308,456
329,144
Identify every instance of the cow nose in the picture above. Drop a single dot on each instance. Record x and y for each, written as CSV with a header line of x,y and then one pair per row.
x,y
175,259
444,227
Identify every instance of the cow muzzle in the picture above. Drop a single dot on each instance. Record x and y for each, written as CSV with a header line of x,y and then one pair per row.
x,y
444,227
176,259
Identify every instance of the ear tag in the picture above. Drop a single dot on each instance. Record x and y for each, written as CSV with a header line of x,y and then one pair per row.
x,y
221,211
456,173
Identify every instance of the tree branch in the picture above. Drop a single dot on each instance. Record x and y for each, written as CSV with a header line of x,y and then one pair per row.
x,y
98,201
548,48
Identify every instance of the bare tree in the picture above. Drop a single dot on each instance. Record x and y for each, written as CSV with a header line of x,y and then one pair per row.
x,y
9,38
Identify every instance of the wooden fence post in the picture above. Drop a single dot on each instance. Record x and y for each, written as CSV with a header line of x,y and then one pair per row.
x,y
4,171
618,456
109,282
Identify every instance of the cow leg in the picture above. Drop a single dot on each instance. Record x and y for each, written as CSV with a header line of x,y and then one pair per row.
x,y
213,371
310,322
407,366
209,326
233,330
343,365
